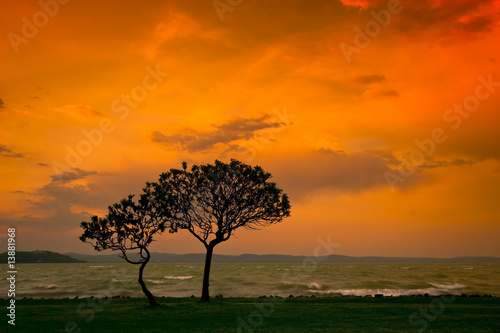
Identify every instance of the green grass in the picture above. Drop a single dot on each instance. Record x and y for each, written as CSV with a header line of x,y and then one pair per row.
x,y
333,314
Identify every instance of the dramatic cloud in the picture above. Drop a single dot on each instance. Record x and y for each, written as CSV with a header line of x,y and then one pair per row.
x,y
239,129
75,174
445,163
6,152
337,171
1,104
440,18
342,172
369,79
66,200
374,93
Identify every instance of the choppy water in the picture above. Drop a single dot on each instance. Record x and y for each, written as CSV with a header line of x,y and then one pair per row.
x,y
252,280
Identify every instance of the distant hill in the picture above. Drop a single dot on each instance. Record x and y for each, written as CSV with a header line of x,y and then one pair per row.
x,y
278,258
27,257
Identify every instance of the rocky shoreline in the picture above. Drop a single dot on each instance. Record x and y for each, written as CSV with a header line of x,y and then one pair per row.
x,y
289,296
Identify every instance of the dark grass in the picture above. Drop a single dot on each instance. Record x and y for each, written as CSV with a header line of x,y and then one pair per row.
x,y
332,314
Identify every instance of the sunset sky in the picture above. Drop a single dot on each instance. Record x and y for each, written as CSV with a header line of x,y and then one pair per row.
x,y
380,120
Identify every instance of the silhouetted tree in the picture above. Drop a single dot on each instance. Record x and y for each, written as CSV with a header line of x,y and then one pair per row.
x,y
212,201
128,227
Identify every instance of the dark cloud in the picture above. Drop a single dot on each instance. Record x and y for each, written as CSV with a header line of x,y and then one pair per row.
x,y
388,93
478,139
6,152
337,171
383,92
445,21
445,163
64,203
460,162
19,192
53,204
74,174
238,129
369,79
177,140
1,103
439,21
57,200
477,24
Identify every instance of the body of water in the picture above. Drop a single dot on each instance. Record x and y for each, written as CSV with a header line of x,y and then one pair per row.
x,y
253,280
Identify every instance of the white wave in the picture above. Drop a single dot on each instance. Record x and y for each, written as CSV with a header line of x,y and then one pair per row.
x,y
313,285
170,277
48,286
448,286
156,281
442,289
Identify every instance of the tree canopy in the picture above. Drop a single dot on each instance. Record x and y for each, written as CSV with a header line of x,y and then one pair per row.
x,y
129,227
213,200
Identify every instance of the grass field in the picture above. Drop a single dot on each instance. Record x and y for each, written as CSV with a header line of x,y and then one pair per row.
x,y
333,314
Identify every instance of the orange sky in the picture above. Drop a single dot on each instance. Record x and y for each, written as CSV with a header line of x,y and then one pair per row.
x,y
380,119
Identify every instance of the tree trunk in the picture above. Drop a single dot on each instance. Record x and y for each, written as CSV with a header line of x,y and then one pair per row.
x,y
145,290
205,296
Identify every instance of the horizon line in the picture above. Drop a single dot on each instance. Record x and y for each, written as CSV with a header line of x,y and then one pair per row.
x,y
277,254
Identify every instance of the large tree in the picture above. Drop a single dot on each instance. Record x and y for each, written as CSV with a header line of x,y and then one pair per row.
x,y
214,200
129,227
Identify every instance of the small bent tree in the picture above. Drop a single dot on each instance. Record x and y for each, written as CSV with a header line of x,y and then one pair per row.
x,y
129,227
212,201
